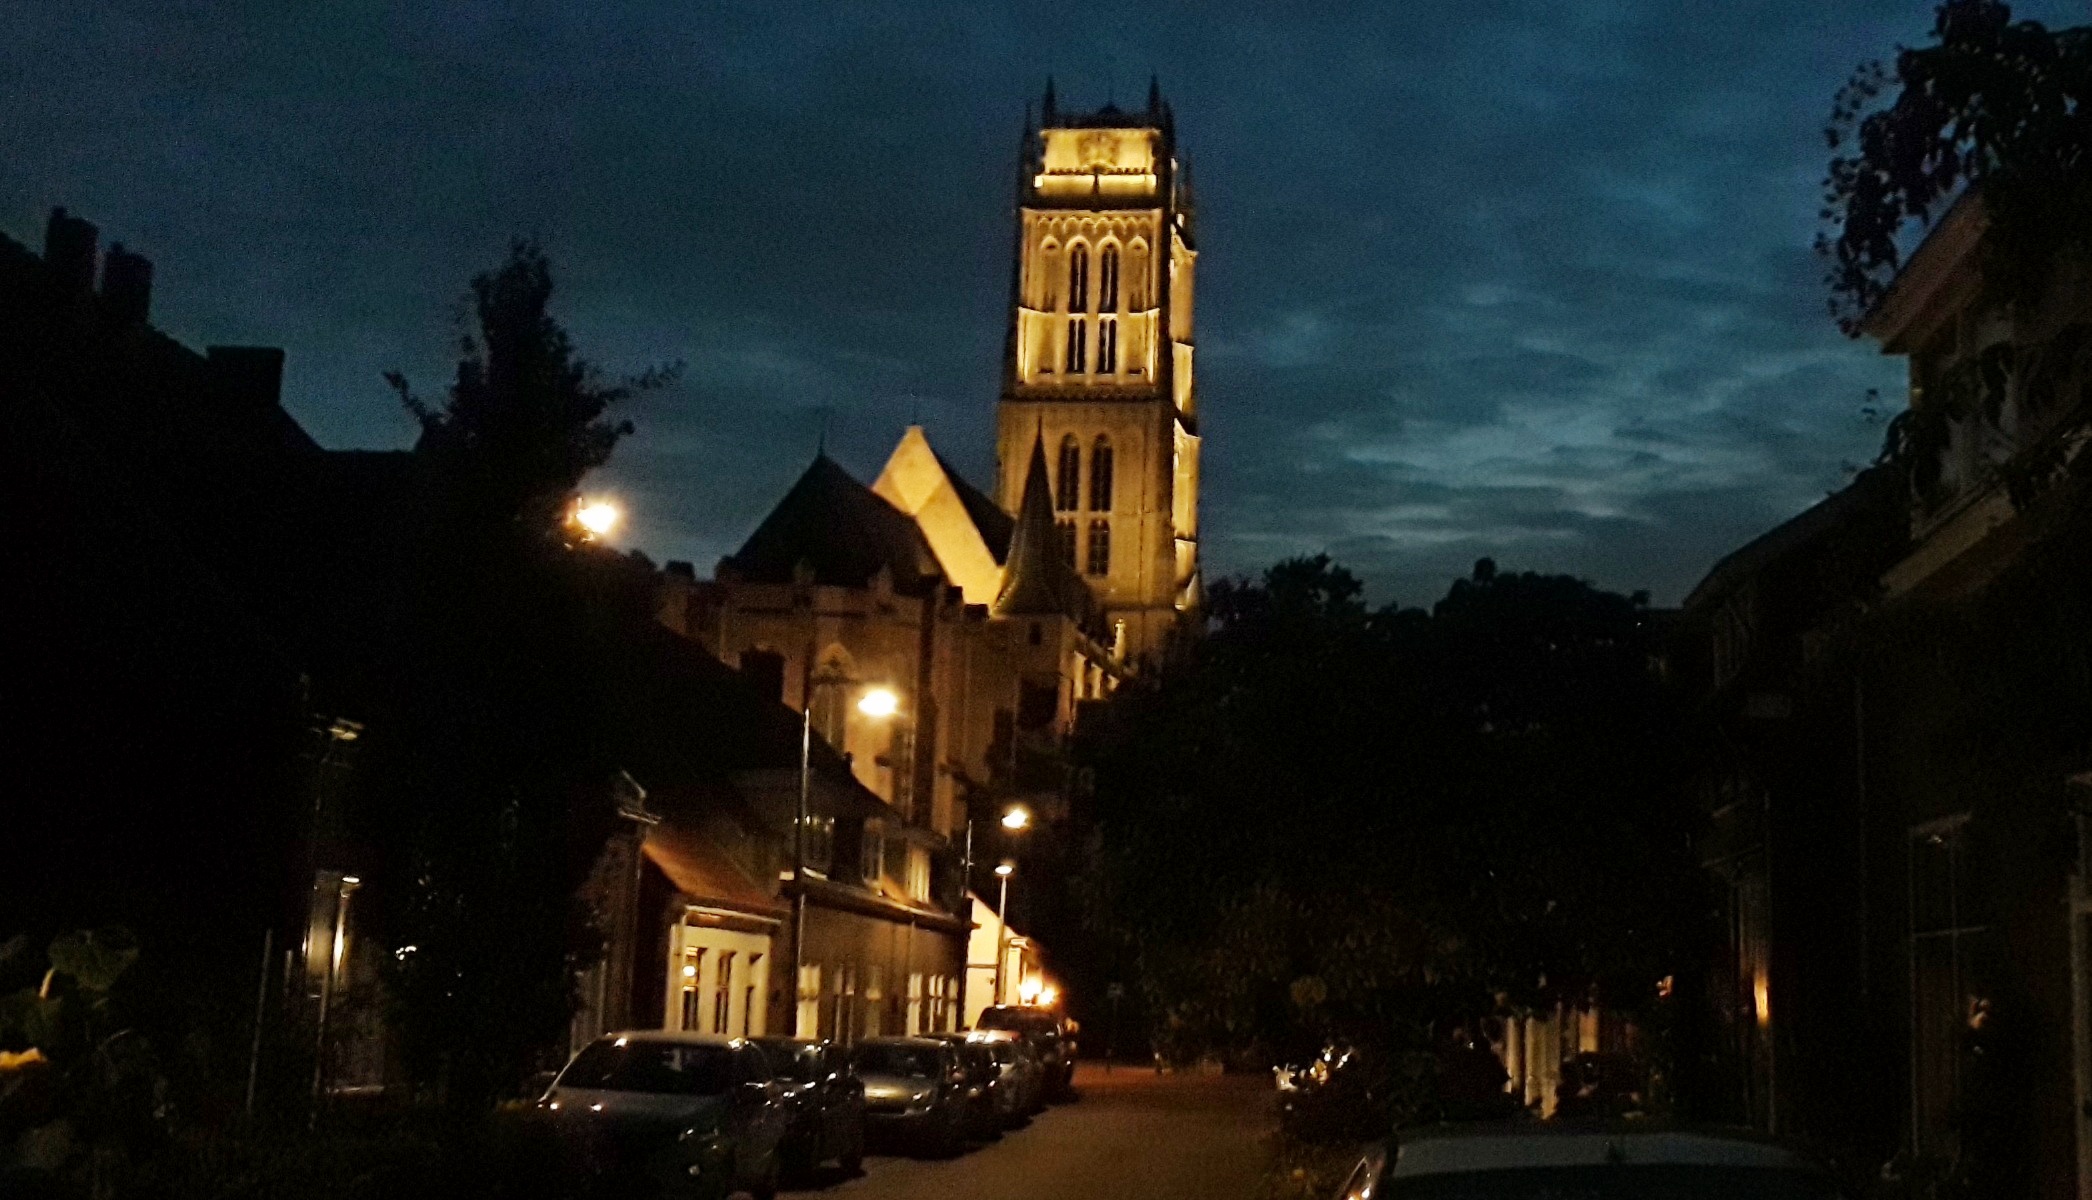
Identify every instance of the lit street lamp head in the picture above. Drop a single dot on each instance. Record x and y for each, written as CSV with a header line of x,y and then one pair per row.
x,y
1019,817
598,517
879,702
1005,869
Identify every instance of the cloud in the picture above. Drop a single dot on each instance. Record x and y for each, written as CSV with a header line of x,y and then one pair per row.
x,y
1507,277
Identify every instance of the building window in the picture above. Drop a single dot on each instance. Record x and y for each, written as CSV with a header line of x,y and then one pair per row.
x,y
918,874
748,997
1107,345
1100,476
900,763
1067,532
693,969
809,1002
723,992
873,854
913,1022
820,843
1048,251
1067,480
1951,946
1078,345
1078,279
765,670
874,1000
1100,548
1108,280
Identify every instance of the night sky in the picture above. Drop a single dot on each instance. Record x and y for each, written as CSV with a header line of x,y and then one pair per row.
x,y
1479,278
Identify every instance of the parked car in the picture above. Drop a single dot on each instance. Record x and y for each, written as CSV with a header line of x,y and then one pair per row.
x,y
1050,1038
672,1114
913,1090
1532,1162
987,1104
1023,1079
826,1099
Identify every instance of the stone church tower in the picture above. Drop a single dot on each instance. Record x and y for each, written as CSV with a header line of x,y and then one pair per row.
x,y
1098,363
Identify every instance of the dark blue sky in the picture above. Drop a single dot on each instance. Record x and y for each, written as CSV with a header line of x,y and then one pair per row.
x,y
1529,280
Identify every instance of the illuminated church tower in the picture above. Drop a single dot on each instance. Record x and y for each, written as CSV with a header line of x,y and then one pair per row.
x,y
1098,364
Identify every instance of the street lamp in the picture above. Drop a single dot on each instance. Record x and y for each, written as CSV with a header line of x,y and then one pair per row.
x,y
598,517
1003,870
878,703
1015,819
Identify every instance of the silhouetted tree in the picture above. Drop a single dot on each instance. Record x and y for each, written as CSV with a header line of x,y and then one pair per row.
x,y
485,780
1995,105
1322,817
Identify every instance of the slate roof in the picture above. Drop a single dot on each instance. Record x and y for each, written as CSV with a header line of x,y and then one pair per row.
x,y
841,529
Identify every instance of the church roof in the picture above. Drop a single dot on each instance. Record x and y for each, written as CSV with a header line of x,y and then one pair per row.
x,y
995,525
1038,580
839,528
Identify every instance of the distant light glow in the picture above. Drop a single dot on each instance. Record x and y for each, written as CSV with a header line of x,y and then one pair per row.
x,y
1029,990
879,702
1005,869
689,970
598,517
1017,818
1049,995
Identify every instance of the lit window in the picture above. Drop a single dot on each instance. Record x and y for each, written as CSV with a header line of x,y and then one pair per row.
x,y
1100,548
918,873
1100,476
1067,483
1078,279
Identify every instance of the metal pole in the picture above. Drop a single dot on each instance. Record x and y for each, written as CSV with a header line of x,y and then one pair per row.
x,y
966,914
342,888
1002,935
806,750
261,1005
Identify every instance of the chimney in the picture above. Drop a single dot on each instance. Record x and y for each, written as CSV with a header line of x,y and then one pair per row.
x,y
127,286
251,377
69,246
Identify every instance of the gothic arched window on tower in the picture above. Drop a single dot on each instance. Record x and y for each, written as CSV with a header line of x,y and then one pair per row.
x,y
1100,476
1108,280
1078,345
1049,279
1107,345
1066,529
1078,279
1067,482
1137,276
1100,548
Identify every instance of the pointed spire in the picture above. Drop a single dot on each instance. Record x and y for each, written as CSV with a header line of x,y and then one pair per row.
x,y
1029,583
1048,114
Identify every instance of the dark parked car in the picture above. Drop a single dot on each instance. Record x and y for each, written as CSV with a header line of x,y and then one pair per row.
x,y
826,1099
656,1113
1023,1079
914,1090
987,1104
1529,1162
1049,1037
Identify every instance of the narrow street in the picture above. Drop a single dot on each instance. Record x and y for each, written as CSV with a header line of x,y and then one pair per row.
x,y
1132,1133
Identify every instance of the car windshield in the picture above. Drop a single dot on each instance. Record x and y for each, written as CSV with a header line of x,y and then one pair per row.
x,y
792,1060
1648,1182
877,1059
630,1065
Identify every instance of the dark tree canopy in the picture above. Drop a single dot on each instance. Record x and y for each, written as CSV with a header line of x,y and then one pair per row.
x,y
1994,106
524,419
1322,815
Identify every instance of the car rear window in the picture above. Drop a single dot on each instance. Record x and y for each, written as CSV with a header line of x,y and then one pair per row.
x,y
876,1059
1617,1182
659,1067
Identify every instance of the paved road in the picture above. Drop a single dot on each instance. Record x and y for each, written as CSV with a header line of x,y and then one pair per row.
x,y
1132,1134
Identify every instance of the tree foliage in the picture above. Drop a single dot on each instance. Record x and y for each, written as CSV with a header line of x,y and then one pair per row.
x,y
484,784
1993,105
1324,817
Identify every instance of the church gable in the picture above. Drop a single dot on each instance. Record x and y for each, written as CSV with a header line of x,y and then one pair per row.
x,y
967,533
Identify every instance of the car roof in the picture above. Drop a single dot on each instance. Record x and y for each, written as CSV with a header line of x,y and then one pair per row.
x,y
919,1043
1441,1150
676,1037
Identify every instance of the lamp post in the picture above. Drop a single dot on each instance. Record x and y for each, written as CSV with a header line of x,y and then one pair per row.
x,y
877,702
1015,819
1003,870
